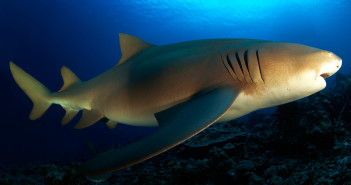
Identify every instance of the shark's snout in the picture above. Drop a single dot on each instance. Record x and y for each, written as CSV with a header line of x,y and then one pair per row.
x,y
332,65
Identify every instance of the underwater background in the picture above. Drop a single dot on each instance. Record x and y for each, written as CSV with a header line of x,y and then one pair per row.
x,y
41,36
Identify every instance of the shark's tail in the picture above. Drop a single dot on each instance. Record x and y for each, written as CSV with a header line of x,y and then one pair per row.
x,y
42,98
37,92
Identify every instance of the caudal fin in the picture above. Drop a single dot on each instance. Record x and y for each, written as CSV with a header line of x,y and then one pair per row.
x,y
36,91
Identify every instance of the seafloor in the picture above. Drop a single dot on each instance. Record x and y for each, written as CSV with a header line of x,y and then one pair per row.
x,y
305,142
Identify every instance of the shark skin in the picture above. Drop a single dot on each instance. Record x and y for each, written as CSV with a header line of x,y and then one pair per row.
x,y
183,88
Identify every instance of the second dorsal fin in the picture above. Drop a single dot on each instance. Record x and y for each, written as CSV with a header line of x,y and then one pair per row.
x,y
69,78
130,46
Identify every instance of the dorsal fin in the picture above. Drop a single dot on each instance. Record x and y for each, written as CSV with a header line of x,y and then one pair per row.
x,y
130,46
69,78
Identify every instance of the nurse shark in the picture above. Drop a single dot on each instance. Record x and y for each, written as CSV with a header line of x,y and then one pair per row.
x,y
183,88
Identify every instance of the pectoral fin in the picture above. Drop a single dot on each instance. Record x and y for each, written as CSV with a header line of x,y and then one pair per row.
x,y
177,124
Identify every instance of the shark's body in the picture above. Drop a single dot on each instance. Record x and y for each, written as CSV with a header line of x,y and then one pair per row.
x,y
183,88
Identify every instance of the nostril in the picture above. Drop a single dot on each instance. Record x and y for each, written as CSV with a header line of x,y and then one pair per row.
x,y
325,75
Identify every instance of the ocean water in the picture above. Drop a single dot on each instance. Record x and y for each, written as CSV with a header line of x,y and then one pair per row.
x,y
41,36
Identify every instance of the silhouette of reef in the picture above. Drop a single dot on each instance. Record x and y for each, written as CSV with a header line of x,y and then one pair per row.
x,y
303,142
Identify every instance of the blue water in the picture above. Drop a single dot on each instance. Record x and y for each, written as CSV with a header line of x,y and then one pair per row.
x,y
41,36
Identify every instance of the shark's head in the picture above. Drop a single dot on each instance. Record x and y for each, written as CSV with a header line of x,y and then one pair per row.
x,y
293,71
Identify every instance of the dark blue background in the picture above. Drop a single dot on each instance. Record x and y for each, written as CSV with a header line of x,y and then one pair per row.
x,y
41,36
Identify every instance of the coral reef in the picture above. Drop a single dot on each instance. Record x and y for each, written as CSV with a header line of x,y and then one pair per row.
x,y
303,142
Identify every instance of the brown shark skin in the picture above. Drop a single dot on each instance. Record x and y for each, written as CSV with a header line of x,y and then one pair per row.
x,y
148,88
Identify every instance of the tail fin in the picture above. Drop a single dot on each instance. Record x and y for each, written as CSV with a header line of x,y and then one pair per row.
x,y
36,91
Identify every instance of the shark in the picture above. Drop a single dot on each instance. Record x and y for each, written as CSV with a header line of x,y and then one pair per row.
x,y
182,88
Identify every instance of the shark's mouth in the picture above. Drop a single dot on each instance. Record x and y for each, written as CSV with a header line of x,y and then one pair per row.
x,y
325,75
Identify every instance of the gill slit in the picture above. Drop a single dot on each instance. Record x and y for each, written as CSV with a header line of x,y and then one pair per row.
x,y
246,60
230,64
239,62
259,65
